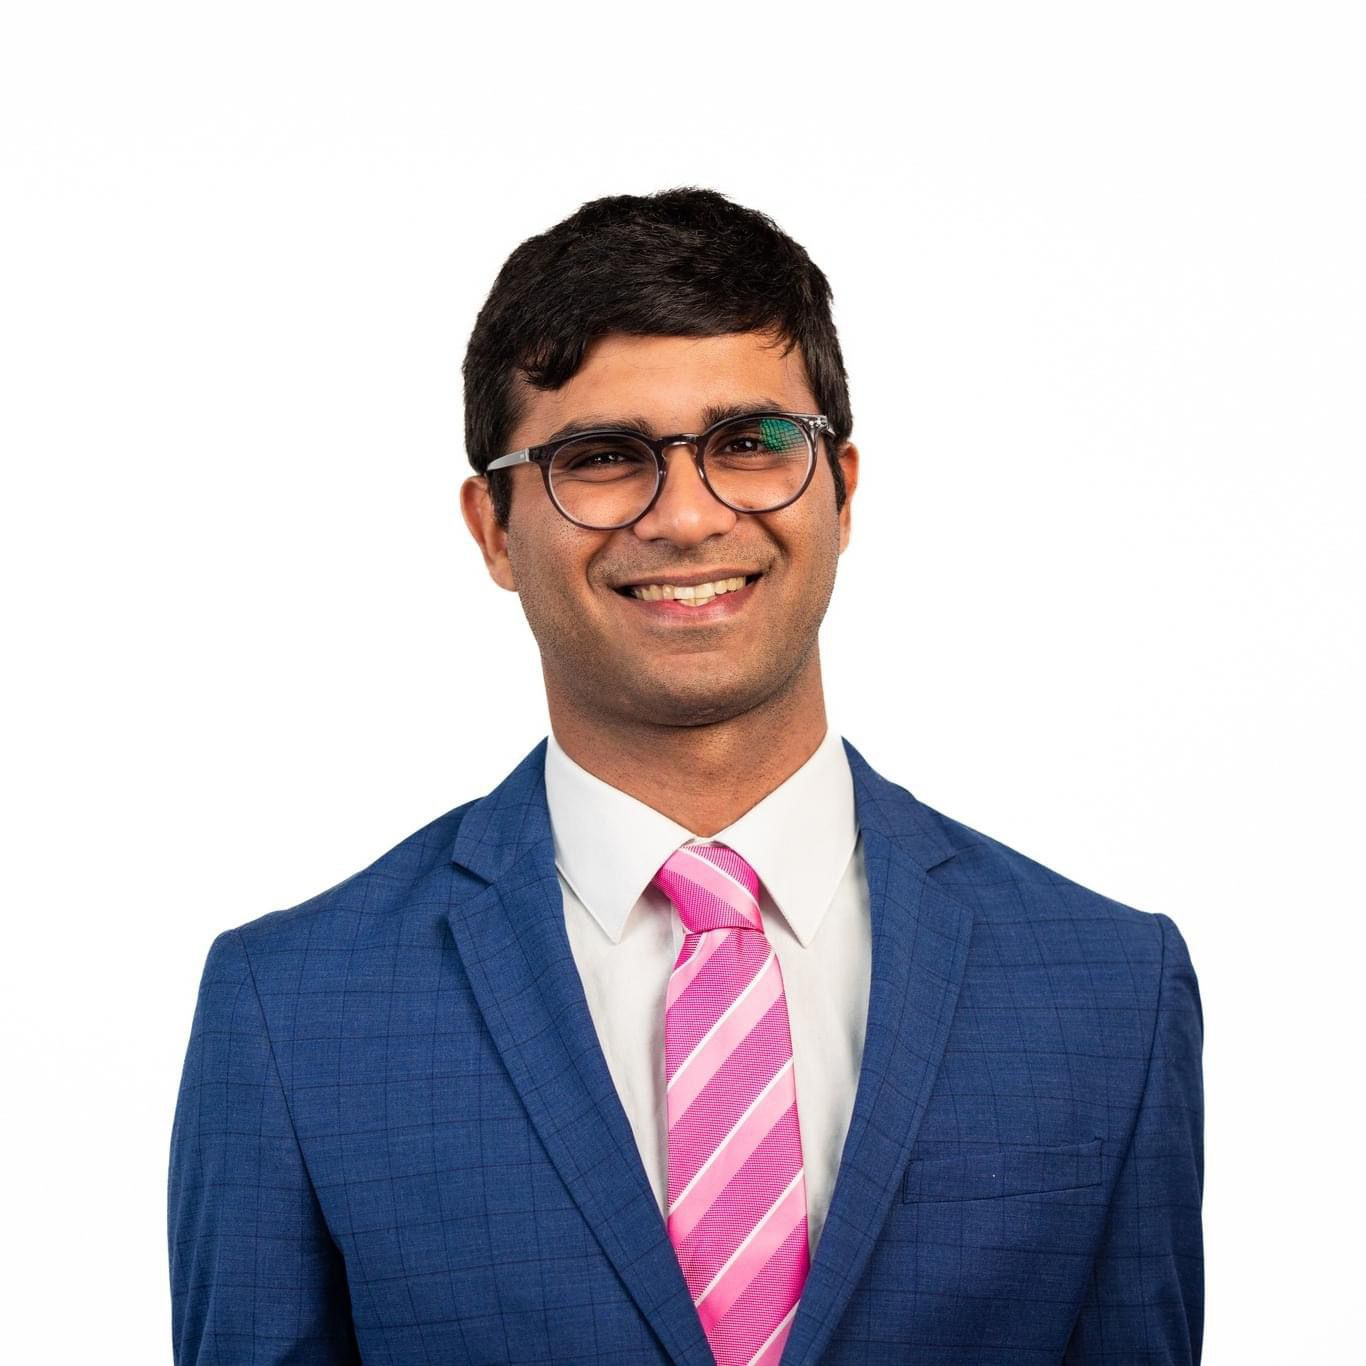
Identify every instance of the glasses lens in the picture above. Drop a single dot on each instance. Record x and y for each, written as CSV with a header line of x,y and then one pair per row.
x,y
603,481
757,463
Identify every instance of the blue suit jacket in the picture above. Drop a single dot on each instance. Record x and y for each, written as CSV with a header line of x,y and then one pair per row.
x,y
397,1139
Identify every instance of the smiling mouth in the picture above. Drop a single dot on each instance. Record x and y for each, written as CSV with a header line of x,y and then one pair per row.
x,y
687,596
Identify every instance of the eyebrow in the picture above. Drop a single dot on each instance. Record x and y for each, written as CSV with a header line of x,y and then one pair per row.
x,y
711,415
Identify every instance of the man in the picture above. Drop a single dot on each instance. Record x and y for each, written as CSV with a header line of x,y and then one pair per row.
x,y
696,1038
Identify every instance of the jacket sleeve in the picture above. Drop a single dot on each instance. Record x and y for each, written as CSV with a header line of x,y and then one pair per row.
x,y
255,1276
1144,1303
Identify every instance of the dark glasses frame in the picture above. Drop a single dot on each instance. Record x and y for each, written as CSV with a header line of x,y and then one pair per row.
x,y
812,425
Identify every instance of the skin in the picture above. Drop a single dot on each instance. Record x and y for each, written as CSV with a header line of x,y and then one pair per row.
x,y
698,723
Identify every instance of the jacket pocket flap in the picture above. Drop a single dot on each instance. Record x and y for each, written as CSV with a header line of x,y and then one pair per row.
x,y
1011,1171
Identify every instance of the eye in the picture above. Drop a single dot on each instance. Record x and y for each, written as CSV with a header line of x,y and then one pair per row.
x,y
604,458
594,459
742,445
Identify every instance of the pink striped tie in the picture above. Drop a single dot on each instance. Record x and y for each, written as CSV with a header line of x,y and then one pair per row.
x,y
737,1195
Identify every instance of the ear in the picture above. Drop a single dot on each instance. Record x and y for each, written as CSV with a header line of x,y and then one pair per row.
x,y
476,506
848,458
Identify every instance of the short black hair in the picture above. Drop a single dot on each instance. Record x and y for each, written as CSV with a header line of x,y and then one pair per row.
x,y
684,262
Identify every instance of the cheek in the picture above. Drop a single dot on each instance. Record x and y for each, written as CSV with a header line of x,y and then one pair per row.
x,y
539,555
814,545
552,582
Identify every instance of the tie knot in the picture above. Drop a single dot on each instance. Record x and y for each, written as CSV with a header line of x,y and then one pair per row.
x,y
712,886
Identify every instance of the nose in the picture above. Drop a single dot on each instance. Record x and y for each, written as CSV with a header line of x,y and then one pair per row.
x,y
686,511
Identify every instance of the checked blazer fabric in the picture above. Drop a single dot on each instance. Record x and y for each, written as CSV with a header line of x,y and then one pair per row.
x,y
397,1140
737,1195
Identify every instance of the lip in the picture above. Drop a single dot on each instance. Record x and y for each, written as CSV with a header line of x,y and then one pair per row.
x,y
720,608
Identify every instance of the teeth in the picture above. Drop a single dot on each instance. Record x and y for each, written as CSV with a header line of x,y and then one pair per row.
x,y
694,595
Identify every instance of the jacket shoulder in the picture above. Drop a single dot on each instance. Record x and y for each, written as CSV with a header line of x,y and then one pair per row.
x,y
1048,933
380,890
1004,885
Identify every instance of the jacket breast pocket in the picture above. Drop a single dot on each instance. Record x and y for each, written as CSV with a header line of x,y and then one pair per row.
x,y
1010,1171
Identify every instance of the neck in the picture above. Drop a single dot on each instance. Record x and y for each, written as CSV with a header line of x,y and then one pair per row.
x,y
704,777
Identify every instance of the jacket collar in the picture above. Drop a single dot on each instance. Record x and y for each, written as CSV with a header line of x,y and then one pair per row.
x,y
499,829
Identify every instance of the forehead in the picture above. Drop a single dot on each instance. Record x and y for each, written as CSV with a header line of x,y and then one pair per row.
x,y
670,382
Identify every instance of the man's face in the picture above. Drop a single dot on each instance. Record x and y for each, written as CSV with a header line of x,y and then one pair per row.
x,y
614,659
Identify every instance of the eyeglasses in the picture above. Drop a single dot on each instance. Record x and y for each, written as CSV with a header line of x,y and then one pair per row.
x,y
609,478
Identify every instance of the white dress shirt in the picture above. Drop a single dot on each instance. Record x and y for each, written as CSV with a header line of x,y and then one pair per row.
x,y
802,840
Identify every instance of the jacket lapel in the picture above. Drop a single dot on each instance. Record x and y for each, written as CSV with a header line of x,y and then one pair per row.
x,y
512,940
508,922
919,952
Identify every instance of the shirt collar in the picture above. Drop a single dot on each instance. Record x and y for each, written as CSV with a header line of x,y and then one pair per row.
x,y
798,838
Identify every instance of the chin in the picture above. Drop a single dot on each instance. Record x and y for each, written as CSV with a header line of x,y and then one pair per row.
x,y
706,705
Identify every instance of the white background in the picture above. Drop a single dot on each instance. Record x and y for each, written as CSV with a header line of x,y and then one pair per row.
x,y
1098,276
